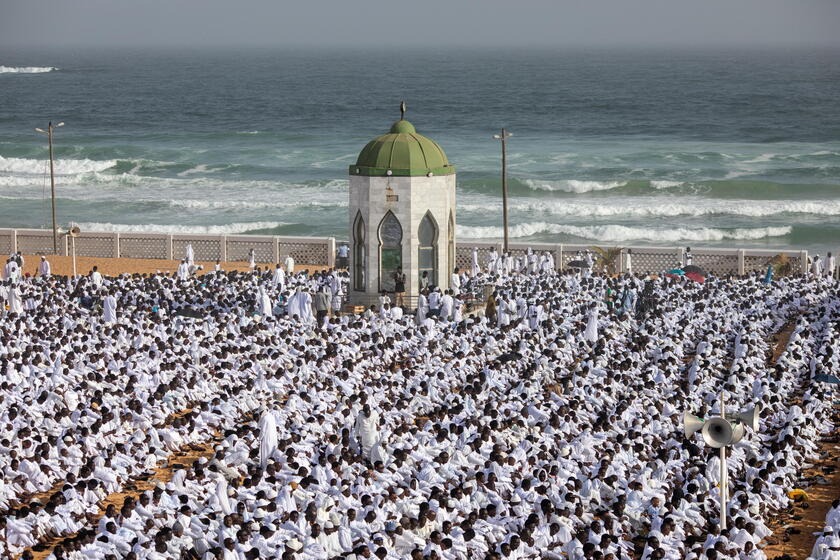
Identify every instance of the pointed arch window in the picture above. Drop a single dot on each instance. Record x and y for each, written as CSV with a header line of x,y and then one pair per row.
x,y
359,253
427,257
390,251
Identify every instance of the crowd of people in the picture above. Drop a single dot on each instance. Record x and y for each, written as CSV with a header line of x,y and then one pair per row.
x,y
549,425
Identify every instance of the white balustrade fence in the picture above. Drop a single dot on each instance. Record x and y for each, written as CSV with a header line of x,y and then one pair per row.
x,y
321,250
651,259
267,248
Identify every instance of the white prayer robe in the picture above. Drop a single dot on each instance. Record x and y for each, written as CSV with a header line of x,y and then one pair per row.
x,y
109,309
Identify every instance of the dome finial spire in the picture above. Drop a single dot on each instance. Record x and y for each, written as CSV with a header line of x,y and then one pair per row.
x,y
402,110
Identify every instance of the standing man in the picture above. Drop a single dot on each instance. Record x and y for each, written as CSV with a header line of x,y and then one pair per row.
x,y
475,266
290,264
279,277
322,306
455,282
10,271
830,265
44,267
816,267
399,287
183,271
342,256
109,308
96,277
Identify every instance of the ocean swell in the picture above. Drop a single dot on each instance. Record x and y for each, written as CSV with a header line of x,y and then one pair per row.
x,y
617,233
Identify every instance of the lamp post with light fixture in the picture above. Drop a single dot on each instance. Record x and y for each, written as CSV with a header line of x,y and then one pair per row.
x,y
49,133
504,136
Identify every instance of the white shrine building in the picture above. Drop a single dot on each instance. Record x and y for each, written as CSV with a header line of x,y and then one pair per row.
x,y
402,214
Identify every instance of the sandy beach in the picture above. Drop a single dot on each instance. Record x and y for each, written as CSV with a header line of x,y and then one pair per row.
x,y
112,267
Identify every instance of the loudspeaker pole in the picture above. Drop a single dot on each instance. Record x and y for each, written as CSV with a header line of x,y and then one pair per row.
x,y
723,470
49,133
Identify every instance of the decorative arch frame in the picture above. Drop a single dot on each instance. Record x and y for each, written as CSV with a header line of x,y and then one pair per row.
x,y
390,236
427,248
359,253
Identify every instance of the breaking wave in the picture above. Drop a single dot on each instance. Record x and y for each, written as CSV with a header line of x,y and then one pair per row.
x,y
573,185
240,227
651,208
26,69
62,166
617,233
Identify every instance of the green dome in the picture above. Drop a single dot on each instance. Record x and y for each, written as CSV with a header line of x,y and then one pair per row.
x,y
404,153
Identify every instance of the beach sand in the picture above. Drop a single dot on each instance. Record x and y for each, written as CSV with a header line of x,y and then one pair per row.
x,y
112,267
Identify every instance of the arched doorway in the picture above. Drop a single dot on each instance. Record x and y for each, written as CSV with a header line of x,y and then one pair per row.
x,y
427,257
390,251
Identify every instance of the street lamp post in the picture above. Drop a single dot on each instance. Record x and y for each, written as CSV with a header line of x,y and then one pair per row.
x,y
49,133
504,136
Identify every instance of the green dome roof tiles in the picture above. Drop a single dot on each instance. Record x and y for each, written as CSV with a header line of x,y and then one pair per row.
x,y
403,153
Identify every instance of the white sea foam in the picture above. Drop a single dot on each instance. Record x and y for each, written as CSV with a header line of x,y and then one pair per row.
x,y
763,158
26,69
200,168
651,207
659,185
253,204
62,166
617,233
573,185
17,173
239,227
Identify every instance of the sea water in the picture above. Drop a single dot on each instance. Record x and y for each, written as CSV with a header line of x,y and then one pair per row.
x,y
712,148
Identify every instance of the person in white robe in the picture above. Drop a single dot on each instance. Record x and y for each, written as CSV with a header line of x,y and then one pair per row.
x,y
266,309
268,437
816,267
366,429
455,282
252,259
290,264
15,299
475,268
278,279
190,254
109,308
591,333
300,304
96,277
10,271
44,267
183,271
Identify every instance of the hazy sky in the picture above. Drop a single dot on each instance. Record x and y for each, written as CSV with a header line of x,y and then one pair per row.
x,y
419,22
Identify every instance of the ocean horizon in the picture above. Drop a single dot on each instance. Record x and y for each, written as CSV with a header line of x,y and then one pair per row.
x,y
726,147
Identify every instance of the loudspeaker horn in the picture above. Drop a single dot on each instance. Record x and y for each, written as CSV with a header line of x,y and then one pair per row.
x,y
691,424
748,417
738,431
717,432
74,231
